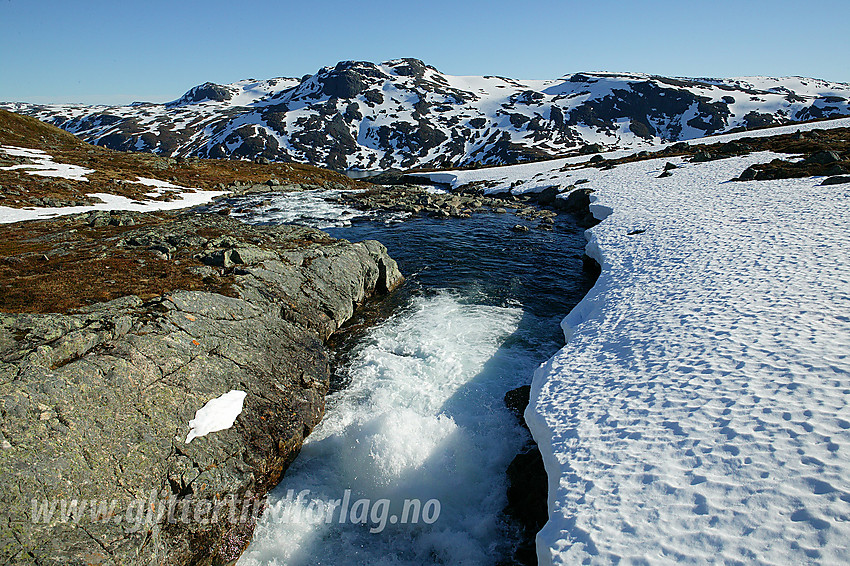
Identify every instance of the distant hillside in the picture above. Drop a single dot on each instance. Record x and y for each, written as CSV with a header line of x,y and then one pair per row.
x,y
117,173
404,114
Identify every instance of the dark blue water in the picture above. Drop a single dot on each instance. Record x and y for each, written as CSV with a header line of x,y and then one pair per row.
x,y
539,269
484,261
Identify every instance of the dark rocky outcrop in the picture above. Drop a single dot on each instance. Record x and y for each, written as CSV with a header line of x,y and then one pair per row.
x,y
345,83
824,157
837,180
759,120
547,196
415,199
206,91
527,486
409,67
577,203
527,500
824,154
95,400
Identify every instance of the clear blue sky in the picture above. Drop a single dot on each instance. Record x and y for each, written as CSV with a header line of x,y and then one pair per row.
x,y
100,51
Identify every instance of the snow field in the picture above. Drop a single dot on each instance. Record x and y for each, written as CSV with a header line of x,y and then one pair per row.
x,y
44,165
108,202
699,412
534,177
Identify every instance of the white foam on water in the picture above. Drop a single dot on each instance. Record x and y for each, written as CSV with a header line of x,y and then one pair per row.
x,y
314,208
422,418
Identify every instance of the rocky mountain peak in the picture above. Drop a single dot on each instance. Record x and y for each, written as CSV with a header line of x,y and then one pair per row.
x,y
404,113
206,92
348,78
408,67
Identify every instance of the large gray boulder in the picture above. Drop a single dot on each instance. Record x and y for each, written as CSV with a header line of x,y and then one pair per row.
x,y
95,402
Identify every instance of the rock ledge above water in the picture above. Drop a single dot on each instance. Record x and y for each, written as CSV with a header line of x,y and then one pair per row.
x,y
96,400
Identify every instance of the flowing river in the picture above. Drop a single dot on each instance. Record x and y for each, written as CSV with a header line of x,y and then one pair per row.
x,y
408,465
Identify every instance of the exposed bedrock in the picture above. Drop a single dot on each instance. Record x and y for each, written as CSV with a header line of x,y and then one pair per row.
x,y
95,402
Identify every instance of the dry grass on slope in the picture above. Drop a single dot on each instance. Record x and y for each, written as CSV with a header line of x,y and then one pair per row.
x,y
19,188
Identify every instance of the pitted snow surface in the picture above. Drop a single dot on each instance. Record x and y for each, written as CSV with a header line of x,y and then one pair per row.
x,y
699,412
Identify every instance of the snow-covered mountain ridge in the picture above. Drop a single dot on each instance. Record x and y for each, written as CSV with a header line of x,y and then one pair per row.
x,y
404,114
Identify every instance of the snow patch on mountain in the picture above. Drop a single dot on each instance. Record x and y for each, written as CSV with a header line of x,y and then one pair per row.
x,y
43,165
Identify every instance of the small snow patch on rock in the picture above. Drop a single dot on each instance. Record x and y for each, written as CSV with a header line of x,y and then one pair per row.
x,y
218,414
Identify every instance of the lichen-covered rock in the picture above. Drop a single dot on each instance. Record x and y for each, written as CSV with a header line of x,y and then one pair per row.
x,y
95,402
